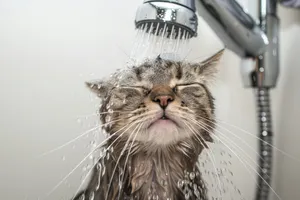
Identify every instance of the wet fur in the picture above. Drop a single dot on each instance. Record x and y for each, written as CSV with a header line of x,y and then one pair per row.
x,y
152,169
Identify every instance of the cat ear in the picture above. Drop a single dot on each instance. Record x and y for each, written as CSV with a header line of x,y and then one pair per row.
x,y
98,87
208,68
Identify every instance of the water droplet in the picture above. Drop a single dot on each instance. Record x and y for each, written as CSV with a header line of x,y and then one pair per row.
x,y
88,166
180,183
110,111
108,118
82,197
92,196
107,156
192,175
98,183
187,195
103,171
63,158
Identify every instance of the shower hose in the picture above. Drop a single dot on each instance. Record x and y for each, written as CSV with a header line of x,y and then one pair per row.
x,y
265,143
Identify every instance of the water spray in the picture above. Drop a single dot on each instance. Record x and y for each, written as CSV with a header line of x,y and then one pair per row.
x,y
256,43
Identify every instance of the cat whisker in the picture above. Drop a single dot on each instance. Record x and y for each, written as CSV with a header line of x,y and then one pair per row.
x,y
201,126
252,135
69,142
90,172
135,119
231,150
210,153
240,149
114,170
183,143
240,159
129,152
248,133
237,146
243,141
78,137
254,170
182,150
69,174
132,123
110,112
100,113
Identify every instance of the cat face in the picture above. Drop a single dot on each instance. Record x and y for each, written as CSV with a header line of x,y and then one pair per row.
x,y
160,102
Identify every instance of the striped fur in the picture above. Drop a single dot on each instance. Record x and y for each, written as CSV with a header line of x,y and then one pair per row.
x,y
153,161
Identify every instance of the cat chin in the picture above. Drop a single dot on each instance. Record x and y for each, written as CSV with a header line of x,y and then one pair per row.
x,y
163,132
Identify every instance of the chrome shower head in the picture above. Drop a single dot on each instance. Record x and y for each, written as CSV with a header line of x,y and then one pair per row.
x,y
172,18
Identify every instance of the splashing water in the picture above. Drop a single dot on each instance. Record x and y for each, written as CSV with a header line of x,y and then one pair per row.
x,y
170,44
167,42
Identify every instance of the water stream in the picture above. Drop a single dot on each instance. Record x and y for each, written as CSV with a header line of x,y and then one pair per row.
x,y
167,42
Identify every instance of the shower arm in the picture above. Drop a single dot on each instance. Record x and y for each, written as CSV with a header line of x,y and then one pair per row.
x,y
255,43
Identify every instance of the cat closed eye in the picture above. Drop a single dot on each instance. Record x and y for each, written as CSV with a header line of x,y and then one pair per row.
x,y
195,90
145,91
180,87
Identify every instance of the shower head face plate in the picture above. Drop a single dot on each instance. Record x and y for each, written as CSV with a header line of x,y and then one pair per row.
x,y
170,19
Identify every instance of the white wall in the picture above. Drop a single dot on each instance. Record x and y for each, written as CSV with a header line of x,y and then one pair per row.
x,y
49,48
286,105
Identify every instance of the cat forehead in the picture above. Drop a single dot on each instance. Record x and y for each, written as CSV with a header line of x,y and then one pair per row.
x,y
162,73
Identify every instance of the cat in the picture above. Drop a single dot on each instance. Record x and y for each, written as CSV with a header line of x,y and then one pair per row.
x,y
160,116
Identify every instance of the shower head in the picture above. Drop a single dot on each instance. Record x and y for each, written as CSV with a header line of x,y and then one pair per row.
x,y
170,18
177,18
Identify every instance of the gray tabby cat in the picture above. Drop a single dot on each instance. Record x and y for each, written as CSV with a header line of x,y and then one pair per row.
x,y
160,115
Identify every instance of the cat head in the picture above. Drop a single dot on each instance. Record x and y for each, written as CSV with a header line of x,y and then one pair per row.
x,y
160,102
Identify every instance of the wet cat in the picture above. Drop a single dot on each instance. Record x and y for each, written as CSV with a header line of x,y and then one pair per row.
x,y
160,116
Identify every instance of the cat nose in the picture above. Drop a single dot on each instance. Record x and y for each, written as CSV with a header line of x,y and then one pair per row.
x,y
163,100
